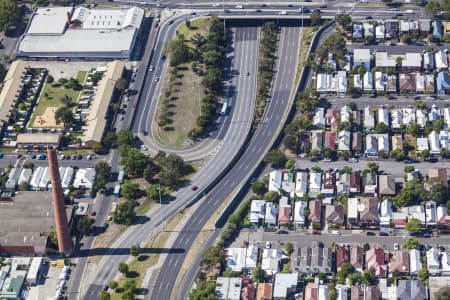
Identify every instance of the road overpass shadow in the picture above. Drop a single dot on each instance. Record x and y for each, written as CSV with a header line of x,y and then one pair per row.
x,y
125,251
240,21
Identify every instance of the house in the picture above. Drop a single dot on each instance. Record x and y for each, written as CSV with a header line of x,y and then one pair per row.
x,y
271,214
315,211
271,259
446,113
334,214
312,291
391,84
437,30
84,179
380,81
284,215
343,184
412,62
331,117
421,117
275,178
304,141
316,140
429,83
376,143
435,114
257,211
428,61
391,29
319,117
363,292
314,259
238,259
404,26
385,213
434,140
433,261
446,26
356,117
361,57
344,140
285,286
352,212
357,81
424,27
441,60
400,262
248,291
315,183
368,81
369,118
357,142
342,256
414,28
412,289
409,116
420,83
357,257
301,184
380,31
299,213
422,144
324,293
228,288
385,62
368,29
330,141
264,291
375,258
341,79
386,185
383,116
442,83
368,211
396,118
358,32
287,183
414,261
329,184
355,182
440,174
346,114
407,83
444,139
397,141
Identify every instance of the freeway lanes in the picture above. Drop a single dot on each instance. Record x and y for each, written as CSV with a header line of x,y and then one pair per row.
x,y
240,119
259,145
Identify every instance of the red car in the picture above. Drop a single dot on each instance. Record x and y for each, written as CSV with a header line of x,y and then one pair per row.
x,y
323,6
315,231
194,187
93,213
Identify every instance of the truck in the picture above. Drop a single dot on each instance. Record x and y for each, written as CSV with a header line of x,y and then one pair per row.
x,y
120,177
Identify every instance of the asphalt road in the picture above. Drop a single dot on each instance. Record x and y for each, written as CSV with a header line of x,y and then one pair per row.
x,y
258,146
240,118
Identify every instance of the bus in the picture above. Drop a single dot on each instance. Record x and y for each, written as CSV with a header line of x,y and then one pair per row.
x,y
224,110
120,176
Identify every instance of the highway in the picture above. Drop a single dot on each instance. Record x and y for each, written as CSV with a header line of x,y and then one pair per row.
x,y
260,143
240,119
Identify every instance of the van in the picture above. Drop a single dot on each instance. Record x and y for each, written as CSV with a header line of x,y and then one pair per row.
x,y
335,232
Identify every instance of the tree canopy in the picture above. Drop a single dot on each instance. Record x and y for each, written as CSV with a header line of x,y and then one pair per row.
x,y
9,14
412,193
411,243
275,157
413,225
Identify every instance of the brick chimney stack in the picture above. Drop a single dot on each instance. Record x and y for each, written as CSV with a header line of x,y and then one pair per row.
x,y
62,226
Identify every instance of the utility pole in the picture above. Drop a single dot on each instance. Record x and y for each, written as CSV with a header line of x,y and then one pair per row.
x,y
160,206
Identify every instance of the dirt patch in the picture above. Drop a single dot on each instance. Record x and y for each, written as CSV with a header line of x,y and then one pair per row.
x,y
308,34
47,119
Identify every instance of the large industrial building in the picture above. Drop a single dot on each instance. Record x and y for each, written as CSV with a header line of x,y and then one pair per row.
x,y
81,33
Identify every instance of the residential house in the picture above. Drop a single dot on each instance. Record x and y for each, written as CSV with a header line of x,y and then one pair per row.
x,y
420,83
446,26
271,259
356,117
352,212
396,118
370,184
319,117
404,26
368,81
375,258
315,183
424,27
275,179
380,31
383,116
324,293
409,115
329,184
397,142
380,81
422,144
287,183
440,174
239,259
369,118
304,141
435,114
385,62
361,57
407,83
428,61
334,214
301,184
248,291
357,142
391,29
433,261
284,215
414,261
343,184
299,213
435,145
357,257
357,81
376,143
368,29
344,140
342,256
386,185
399,219
314,259
315,211
442,83
330,140
316,140
412,62
264,291
285,286
331,117
391,84
358,32
312,291
228,288
346,114
400,262
412,289
257,211
446,113
440,58
368,211
341,78
342,292
386,213
429,83
355,182
444,139
325,83
363,292
414,28
271,214
437,30
421,117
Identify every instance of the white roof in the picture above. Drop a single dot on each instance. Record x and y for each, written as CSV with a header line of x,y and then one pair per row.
x,y
49,20
45,179
380,81
344,140
361,55
235,258
67,177
284,202
420,82
383,115
275,181
323,292
414,261
379,31
342,292
368,81
271,214
412,60
357,82
432,259
369,119
441,60
422,117
445,262
422,144
396,118
319,117
282,283
38,172
386,208
404,25
33,271
315,181
84,178
435,145
409,115
447,115
301,184
382,59
352,208
25,175
299,212
342,82
228,288
108,18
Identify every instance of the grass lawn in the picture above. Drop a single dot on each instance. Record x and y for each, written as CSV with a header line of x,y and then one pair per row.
x,y
200,26
81,76
308,34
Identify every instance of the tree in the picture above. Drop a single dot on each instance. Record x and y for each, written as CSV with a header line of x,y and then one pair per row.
x,y
124,213
104,295
425,154
113,284
327,153
343,20
179,51
134,162
381,128
127,295
102,173
259,188
412,193
366,247
9,14
66,100
373,167
409,169
289,248
134,251
413,225
258,273
204,291
64,115
121,83
84,225
124,137
123,268
443,293
432,7
272,196
50,79
275,157
153,192
439,192
290,142
172,170
411,243
130,190
130,285
307,100
423,274
290,164
316,18
151,170
414,129
230,273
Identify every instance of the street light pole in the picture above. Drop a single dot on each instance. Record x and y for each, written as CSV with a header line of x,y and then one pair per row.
x,y
160,205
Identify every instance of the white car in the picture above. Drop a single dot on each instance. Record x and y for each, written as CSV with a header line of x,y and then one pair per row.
x,y
268,245
239,6
396,247
335,232
216,4
151,68
283,12
156,79
352,160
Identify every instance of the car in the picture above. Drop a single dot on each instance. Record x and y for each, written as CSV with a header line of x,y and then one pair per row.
x,y
282,232
427,235
258,10
105,287
263,5
170,22
74,157
239,6
368,17
215,4
92,213
156,79
283,12
392,98
430,98
442,249
268,245
317,232
89,157
323,6
352,160
370,233
150,68
194,188
396,247
80,157
408,161
247,73
382,233
226,11
121,118
67,156
62,157
33,156
289,5
163,56
398,15
327,159
335,232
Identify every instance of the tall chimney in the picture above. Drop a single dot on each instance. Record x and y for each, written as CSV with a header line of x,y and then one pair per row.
x,y
62,227
68,19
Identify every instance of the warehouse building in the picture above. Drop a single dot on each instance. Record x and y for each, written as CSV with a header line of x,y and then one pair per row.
x,y
38,141
81,33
